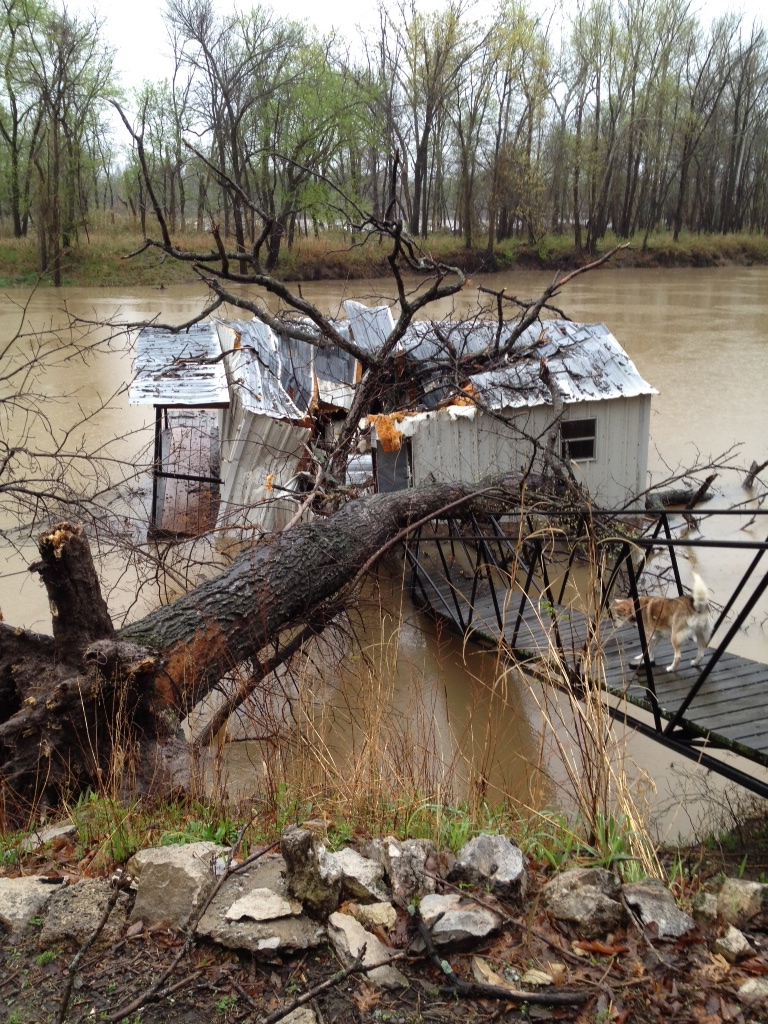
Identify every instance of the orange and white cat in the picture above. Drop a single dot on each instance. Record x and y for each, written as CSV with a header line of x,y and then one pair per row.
x,y
681,618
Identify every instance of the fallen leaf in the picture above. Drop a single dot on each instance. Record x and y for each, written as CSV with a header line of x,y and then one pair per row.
x,y
602,948
366,998
536,977
719,961
486,975
135,929
557,971
755,965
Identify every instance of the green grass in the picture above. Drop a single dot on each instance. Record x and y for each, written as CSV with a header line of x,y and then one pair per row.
x,y
110,831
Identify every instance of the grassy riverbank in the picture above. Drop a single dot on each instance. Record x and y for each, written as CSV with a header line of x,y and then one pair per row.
x,y
102,260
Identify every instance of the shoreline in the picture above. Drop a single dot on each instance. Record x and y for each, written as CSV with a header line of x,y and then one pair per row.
x,y
103,262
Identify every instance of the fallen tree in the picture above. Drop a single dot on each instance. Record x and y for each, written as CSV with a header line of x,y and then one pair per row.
x,y
67,699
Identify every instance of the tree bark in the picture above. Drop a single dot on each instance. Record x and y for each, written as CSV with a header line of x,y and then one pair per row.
x,y
67,701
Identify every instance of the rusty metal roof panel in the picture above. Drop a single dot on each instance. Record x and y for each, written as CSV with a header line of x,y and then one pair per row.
x,y
179,369
585,360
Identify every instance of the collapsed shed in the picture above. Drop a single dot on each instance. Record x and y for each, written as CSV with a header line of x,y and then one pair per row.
x,y
280,401
501,420
181,376
274,395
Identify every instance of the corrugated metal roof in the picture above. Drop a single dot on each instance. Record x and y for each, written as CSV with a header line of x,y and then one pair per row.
x,y
257,370
585,360
427,340
171,369
371,325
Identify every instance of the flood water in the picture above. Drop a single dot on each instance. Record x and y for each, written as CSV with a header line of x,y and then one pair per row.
x,y
698,336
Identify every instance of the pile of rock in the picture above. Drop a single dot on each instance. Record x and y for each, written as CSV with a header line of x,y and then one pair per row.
x,y
306,895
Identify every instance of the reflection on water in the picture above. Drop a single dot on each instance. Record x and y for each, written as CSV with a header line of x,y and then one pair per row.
x,y
696,335
402,708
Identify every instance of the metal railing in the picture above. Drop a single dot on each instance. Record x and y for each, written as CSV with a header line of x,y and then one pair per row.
x,y
517,552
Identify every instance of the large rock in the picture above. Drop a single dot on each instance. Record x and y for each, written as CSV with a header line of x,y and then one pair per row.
x,y
75,911
22,899
495,862
236,917
588,898
361,877
655,905
405,866
374,915
742,903
754,992
173,882
733,945
456,921
312,875
348,937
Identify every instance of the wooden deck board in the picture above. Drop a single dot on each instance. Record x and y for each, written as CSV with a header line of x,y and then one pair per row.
x,y
731,706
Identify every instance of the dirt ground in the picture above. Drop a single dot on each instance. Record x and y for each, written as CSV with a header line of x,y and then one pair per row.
x,y
629,977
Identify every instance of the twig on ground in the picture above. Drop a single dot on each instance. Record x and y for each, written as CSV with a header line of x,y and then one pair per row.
x,y
119,882
358,967
7,980
480,989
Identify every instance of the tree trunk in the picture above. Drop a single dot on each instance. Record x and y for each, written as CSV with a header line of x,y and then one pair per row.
x,y
65,700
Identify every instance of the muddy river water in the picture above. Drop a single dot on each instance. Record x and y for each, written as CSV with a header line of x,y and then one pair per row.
x,y
699,336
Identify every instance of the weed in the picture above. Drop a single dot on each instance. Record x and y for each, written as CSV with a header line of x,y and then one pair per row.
x,y
226,1003
46,957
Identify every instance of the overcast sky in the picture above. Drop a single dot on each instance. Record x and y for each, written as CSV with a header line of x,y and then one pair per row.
x,y
135,27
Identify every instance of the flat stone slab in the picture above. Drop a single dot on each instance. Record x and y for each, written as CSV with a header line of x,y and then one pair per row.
x,y
22,899
262,905
462,920
284,934
74,912
348,937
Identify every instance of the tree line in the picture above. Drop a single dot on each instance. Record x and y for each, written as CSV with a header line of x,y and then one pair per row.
x,y
628,116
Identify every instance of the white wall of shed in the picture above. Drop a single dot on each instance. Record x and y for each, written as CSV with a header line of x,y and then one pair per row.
x,y
469,450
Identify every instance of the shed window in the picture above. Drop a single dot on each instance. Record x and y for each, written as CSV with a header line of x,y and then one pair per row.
x,y
577,439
